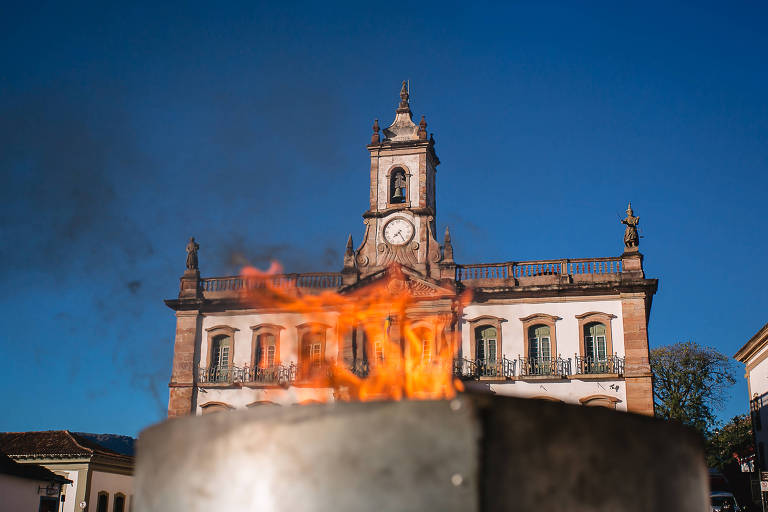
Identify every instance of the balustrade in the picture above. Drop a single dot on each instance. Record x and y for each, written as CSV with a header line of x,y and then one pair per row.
x,y
591,365
526,269
273,375
314,280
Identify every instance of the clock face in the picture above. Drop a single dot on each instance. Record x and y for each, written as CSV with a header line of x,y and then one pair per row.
x,y
398,231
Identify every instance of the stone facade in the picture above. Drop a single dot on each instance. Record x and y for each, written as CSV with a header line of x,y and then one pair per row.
x,y
571,330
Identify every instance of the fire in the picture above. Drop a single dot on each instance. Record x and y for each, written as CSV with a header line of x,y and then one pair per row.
x,y
410,351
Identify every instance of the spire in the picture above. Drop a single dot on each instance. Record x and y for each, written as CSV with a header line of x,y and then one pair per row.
x,y
447,247
403,128
422,133
404,95
375,139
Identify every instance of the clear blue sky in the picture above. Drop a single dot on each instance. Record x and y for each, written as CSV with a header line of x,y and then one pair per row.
x,y
125,130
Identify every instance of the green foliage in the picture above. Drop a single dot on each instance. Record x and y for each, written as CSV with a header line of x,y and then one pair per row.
x,y
689,383
734,437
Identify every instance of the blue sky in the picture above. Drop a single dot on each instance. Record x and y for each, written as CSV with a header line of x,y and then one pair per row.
x,y
126,129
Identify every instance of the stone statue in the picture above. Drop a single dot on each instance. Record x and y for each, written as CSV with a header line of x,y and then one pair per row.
x,y
192,248
631,239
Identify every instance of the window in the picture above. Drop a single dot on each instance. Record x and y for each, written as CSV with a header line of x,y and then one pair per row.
x,y
265,350
485,345
426,344
119,503
596,347
539,343
594,342
398,192
102,501
48,504
485,337
311,348
606,401
378,350
213,407
220,352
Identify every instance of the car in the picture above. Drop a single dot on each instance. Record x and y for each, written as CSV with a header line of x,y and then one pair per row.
x,y
721,501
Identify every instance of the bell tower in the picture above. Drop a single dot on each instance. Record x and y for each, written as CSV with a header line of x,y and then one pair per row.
x,y
400,221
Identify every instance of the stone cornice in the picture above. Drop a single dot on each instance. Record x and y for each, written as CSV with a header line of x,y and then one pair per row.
x,y
755,343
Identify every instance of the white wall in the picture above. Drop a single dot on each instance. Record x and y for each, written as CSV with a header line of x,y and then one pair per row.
x,y
111,483
288,335
19,494
70,491
567,329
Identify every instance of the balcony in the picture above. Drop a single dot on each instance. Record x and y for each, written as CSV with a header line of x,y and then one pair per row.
x,y
613,365
280,375
548,367
480,369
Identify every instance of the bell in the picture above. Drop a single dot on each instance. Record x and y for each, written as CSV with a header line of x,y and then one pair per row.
x,y
398,193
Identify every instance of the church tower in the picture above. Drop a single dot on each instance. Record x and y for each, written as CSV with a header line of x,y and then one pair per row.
x,y
400,221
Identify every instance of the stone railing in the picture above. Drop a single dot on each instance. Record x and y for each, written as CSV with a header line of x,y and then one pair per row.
x,y
540,271
213,286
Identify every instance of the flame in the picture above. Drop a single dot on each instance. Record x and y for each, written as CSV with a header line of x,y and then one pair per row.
x,y
408,357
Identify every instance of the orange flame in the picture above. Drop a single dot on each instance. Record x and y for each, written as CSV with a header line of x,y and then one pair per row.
x,y
410,349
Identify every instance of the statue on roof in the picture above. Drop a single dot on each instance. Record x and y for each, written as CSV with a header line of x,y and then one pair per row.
x,y
404,106
192,248
631,238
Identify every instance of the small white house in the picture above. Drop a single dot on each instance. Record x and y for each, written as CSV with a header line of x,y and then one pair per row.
x,y
754,355
29,487
100,479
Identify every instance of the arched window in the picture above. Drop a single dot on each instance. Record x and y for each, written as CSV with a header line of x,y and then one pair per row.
x,y
102,501
221,354
595,348
119,504
220,351
606,401
311,348
398,192
266,350
539,343
378,352
486,337
213,407
426,344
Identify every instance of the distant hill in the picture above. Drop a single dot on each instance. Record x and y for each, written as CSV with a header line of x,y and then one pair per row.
x,y
114,442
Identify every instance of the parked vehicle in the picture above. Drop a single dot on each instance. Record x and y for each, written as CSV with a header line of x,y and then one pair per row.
x,y
721,501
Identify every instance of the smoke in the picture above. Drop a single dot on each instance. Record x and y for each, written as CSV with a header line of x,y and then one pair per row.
x,y
63,166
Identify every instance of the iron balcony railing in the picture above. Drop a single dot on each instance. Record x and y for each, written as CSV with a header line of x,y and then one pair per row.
x,y
476,368
544,366
272,375
591,365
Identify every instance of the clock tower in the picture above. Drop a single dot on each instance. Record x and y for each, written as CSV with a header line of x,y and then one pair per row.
x,y
400,221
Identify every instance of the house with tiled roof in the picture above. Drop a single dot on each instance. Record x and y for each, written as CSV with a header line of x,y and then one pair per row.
x,y
29,486
101,479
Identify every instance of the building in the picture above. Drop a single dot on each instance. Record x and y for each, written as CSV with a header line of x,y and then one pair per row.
x,y
100,479
29,487
753,354
571,330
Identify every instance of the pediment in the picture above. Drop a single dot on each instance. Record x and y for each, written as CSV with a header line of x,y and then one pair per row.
x,y
399,278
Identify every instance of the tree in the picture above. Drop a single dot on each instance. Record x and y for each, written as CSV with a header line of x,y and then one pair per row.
x,y
690,382
733,437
